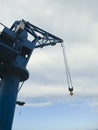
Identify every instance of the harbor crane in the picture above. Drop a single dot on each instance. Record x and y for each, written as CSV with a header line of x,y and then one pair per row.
x,y
15,51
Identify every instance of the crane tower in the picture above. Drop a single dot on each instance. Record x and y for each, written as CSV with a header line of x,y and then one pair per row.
x,y
15,51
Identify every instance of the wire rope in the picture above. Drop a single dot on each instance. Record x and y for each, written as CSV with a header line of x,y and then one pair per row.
x,y
20,86
68,76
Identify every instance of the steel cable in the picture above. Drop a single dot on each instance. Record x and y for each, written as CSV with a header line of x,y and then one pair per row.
x,y
68,76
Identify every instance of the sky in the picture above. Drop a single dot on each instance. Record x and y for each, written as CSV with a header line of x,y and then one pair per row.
x,y
48,103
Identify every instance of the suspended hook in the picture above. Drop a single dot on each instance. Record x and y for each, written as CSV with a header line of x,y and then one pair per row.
x,y
71,91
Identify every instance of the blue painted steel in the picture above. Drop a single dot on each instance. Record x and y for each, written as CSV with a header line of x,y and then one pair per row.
x,y
15,51
8,96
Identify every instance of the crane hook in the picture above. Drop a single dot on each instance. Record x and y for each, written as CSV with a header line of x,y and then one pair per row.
x,y
71,91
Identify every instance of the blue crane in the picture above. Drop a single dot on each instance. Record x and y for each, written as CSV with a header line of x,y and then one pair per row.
x,y
15,51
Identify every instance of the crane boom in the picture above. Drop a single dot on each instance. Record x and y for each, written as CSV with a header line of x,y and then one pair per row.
x,y
43,37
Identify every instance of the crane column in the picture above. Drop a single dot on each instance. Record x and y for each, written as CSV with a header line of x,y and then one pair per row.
x,y
8,96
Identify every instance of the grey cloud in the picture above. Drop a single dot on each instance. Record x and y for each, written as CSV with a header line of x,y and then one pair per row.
x,y
73,20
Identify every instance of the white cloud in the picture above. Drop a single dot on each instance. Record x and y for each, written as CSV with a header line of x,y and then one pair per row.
x,y
41,104
94,103
43,91
77,23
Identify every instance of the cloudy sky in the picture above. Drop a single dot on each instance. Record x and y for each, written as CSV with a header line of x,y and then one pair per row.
x,y
48,104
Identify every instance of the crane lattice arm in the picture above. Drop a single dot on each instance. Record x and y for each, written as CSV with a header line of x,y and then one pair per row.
x,y
43,37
